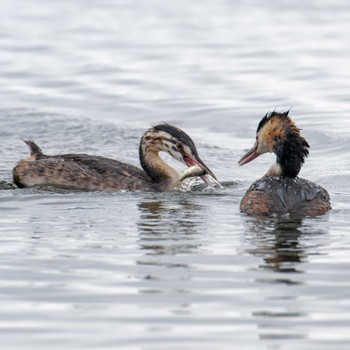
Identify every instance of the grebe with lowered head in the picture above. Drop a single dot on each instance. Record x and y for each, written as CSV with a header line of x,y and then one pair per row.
x,y
95,173
280,192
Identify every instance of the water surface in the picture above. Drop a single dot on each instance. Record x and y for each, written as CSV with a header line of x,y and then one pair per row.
x,y
172,270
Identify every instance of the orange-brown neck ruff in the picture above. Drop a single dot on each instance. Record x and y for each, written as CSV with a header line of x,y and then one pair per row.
x,y
283,135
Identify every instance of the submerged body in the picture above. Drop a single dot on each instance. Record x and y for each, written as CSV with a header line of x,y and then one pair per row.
x,y
281,192
96,173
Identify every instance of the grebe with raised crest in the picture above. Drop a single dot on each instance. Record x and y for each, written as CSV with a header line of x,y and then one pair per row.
x,y
281,192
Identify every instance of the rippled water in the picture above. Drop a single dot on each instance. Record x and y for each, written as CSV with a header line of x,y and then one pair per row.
x,y
172,270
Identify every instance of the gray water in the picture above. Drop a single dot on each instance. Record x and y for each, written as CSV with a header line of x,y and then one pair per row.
x,y
173,270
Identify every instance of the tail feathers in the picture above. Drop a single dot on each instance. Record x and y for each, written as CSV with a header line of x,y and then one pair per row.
x,y
35,151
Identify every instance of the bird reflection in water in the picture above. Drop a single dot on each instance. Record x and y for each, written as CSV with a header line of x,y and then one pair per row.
x,y
168,231
278,243
168,227
283,247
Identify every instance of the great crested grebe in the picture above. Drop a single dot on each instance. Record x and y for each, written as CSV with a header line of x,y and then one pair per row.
x,y
87,172
280,192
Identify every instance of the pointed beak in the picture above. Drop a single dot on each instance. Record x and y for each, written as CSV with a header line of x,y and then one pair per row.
x,y
190,161
250,155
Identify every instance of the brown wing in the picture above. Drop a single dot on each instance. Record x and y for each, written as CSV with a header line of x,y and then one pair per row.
x,y
104,166
81,171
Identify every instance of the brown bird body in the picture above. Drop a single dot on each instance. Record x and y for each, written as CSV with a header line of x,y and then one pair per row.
x,y
91,173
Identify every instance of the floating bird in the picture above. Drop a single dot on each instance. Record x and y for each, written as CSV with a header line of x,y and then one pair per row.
x,y
281,192
95,173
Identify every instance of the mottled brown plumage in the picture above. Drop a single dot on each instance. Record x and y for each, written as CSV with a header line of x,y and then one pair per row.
x,y
280,192
91,173
279,196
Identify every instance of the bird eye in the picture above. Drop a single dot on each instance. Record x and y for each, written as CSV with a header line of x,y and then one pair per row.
x,y
180,146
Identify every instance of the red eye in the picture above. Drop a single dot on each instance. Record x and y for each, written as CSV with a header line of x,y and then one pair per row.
x,y
180,147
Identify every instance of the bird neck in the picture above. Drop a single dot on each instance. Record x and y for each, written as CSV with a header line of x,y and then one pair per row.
x,y
157,169
290,154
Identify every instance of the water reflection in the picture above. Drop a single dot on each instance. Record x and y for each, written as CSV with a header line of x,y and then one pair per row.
x,y
279,243
168,226
168,229
283,246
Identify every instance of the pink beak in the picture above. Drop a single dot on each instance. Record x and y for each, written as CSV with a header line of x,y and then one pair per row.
x,y
192,161
250,155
